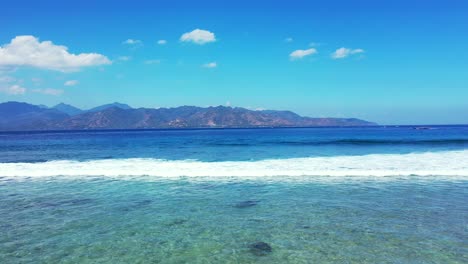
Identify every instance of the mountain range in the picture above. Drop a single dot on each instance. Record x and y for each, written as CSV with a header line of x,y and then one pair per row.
x,y
18,116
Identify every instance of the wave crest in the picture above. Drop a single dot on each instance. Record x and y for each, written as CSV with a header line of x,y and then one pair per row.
x,y
448,163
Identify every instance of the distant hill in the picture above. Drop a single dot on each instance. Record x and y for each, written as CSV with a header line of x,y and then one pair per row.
x,y
23,116
68,109
104,107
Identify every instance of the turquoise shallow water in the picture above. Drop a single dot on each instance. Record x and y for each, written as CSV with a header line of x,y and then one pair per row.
x,y
206,220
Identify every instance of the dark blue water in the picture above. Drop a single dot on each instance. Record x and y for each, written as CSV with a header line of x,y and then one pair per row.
x,y
228,144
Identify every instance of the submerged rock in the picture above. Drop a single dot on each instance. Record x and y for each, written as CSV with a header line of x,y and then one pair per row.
x,y
78,201
143,202
246,204
136,205
177,222
70,202
260,248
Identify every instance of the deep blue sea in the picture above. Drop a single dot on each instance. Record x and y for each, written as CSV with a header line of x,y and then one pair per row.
x,y
293,195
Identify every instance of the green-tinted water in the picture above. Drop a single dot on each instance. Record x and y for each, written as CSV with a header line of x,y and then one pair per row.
x,y
311,220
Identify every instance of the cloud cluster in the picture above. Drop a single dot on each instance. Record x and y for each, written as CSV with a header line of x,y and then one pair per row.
x,y
7,86
342,53
17,89
13,89
198,36
299,54
13,86
29,51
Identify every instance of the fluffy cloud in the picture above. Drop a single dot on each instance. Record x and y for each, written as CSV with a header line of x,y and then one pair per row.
x,y
210,65
132,42
342,53
162,42
49,91
13,89
28,51
299,54
71,83
198,36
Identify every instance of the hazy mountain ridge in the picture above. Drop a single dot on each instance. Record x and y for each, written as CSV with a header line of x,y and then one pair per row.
x,y
104,107
68,109
23,116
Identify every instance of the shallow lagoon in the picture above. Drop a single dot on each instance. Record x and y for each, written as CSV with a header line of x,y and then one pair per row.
x,y
200,220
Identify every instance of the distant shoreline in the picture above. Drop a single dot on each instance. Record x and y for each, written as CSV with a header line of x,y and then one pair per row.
x,y
214,128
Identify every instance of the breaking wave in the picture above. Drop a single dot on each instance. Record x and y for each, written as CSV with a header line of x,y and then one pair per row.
x,y
446,163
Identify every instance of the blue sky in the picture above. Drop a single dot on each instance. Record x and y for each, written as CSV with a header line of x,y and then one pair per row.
x,y
392,62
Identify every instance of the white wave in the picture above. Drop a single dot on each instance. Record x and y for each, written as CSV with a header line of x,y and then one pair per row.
x,y
448,163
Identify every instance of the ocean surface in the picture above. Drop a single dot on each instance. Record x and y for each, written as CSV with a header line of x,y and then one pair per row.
x,y
295,195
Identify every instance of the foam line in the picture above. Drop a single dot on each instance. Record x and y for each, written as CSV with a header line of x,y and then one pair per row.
x,y
448,163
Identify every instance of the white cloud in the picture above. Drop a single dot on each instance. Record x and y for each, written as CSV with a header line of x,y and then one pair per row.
x,y
356,51
13,89
49,91
288,40
152,61
162,42
71,83
28,51
124,58
210,65
198,36
342,53
132,42
299,54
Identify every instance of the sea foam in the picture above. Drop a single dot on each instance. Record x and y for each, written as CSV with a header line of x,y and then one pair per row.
x,y
446,163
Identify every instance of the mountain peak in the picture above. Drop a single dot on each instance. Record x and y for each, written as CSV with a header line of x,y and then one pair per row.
x,y
68,109
114,104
